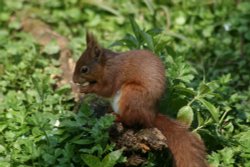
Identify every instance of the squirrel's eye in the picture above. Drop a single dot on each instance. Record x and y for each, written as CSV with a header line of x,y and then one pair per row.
x,y
84,69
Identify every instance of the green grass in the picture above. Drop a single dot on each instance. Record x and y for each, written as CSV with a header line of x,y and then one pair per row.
x,y
205,46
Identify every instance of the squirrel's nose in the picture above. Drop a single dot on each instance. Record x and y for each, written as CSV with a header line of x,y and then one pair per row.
x,y
74,79
78,80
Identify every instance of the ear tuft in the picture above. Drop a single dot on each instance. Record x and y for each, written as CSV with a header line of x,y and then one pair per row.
x,y
93,45
91,40
89,36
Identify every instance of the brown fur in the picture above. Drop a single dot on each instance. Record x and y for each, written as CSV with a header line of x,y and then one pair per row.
x,y
140,77
187,149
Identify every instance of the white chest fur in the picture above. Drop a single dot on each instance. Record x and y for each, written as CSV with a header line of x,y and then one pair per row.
x,y
115,100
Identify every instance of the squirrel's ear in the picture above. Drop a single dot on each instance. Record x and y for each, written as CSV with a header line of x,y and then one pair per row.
x,y
98,54
91,40
93,45
89,37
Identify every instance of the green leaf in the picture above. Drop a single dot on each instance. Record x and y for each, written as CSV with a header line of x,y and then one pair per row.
x,y
207,32
183,90
211,108
2,127
186,115
170,50
15,25
51,48
111,159
2,149
74,14
154,31
148,39
136,28
5,164
200,119
203,89
180,20
50,159
129,40
37,132
228,156
91,160
83,141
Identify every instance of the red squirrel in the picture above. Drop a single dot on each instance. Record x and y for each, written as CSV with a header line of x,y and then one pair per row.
x,y
135,81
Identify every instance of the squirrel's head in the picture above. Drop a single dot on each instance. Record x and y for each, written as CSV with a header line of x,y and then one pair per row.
x,y
89,67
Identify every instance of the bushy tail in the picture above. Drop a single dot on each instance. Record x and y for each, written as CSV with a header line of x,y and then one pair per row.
x,y
187,149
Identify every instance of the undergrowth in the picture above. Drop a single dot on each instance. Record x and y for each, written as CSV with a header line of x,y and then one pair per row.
x,y
205,46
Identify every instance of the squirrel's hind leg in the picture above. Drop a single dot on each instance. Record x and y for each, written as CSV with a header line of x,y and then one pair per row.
x,y
135,107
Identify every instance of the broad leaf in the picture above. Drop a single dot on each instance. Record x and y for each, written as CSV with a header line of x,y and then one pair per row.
x,y
211,108
186,115
91,160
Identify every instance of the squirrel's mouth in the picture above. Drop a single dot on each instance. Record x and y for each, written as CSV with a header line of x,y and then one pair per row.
x,y
92,82
87,83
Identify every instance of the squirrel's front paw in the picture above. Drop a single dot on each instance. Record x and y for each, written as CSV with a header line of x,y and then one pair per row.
x,y
86,89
